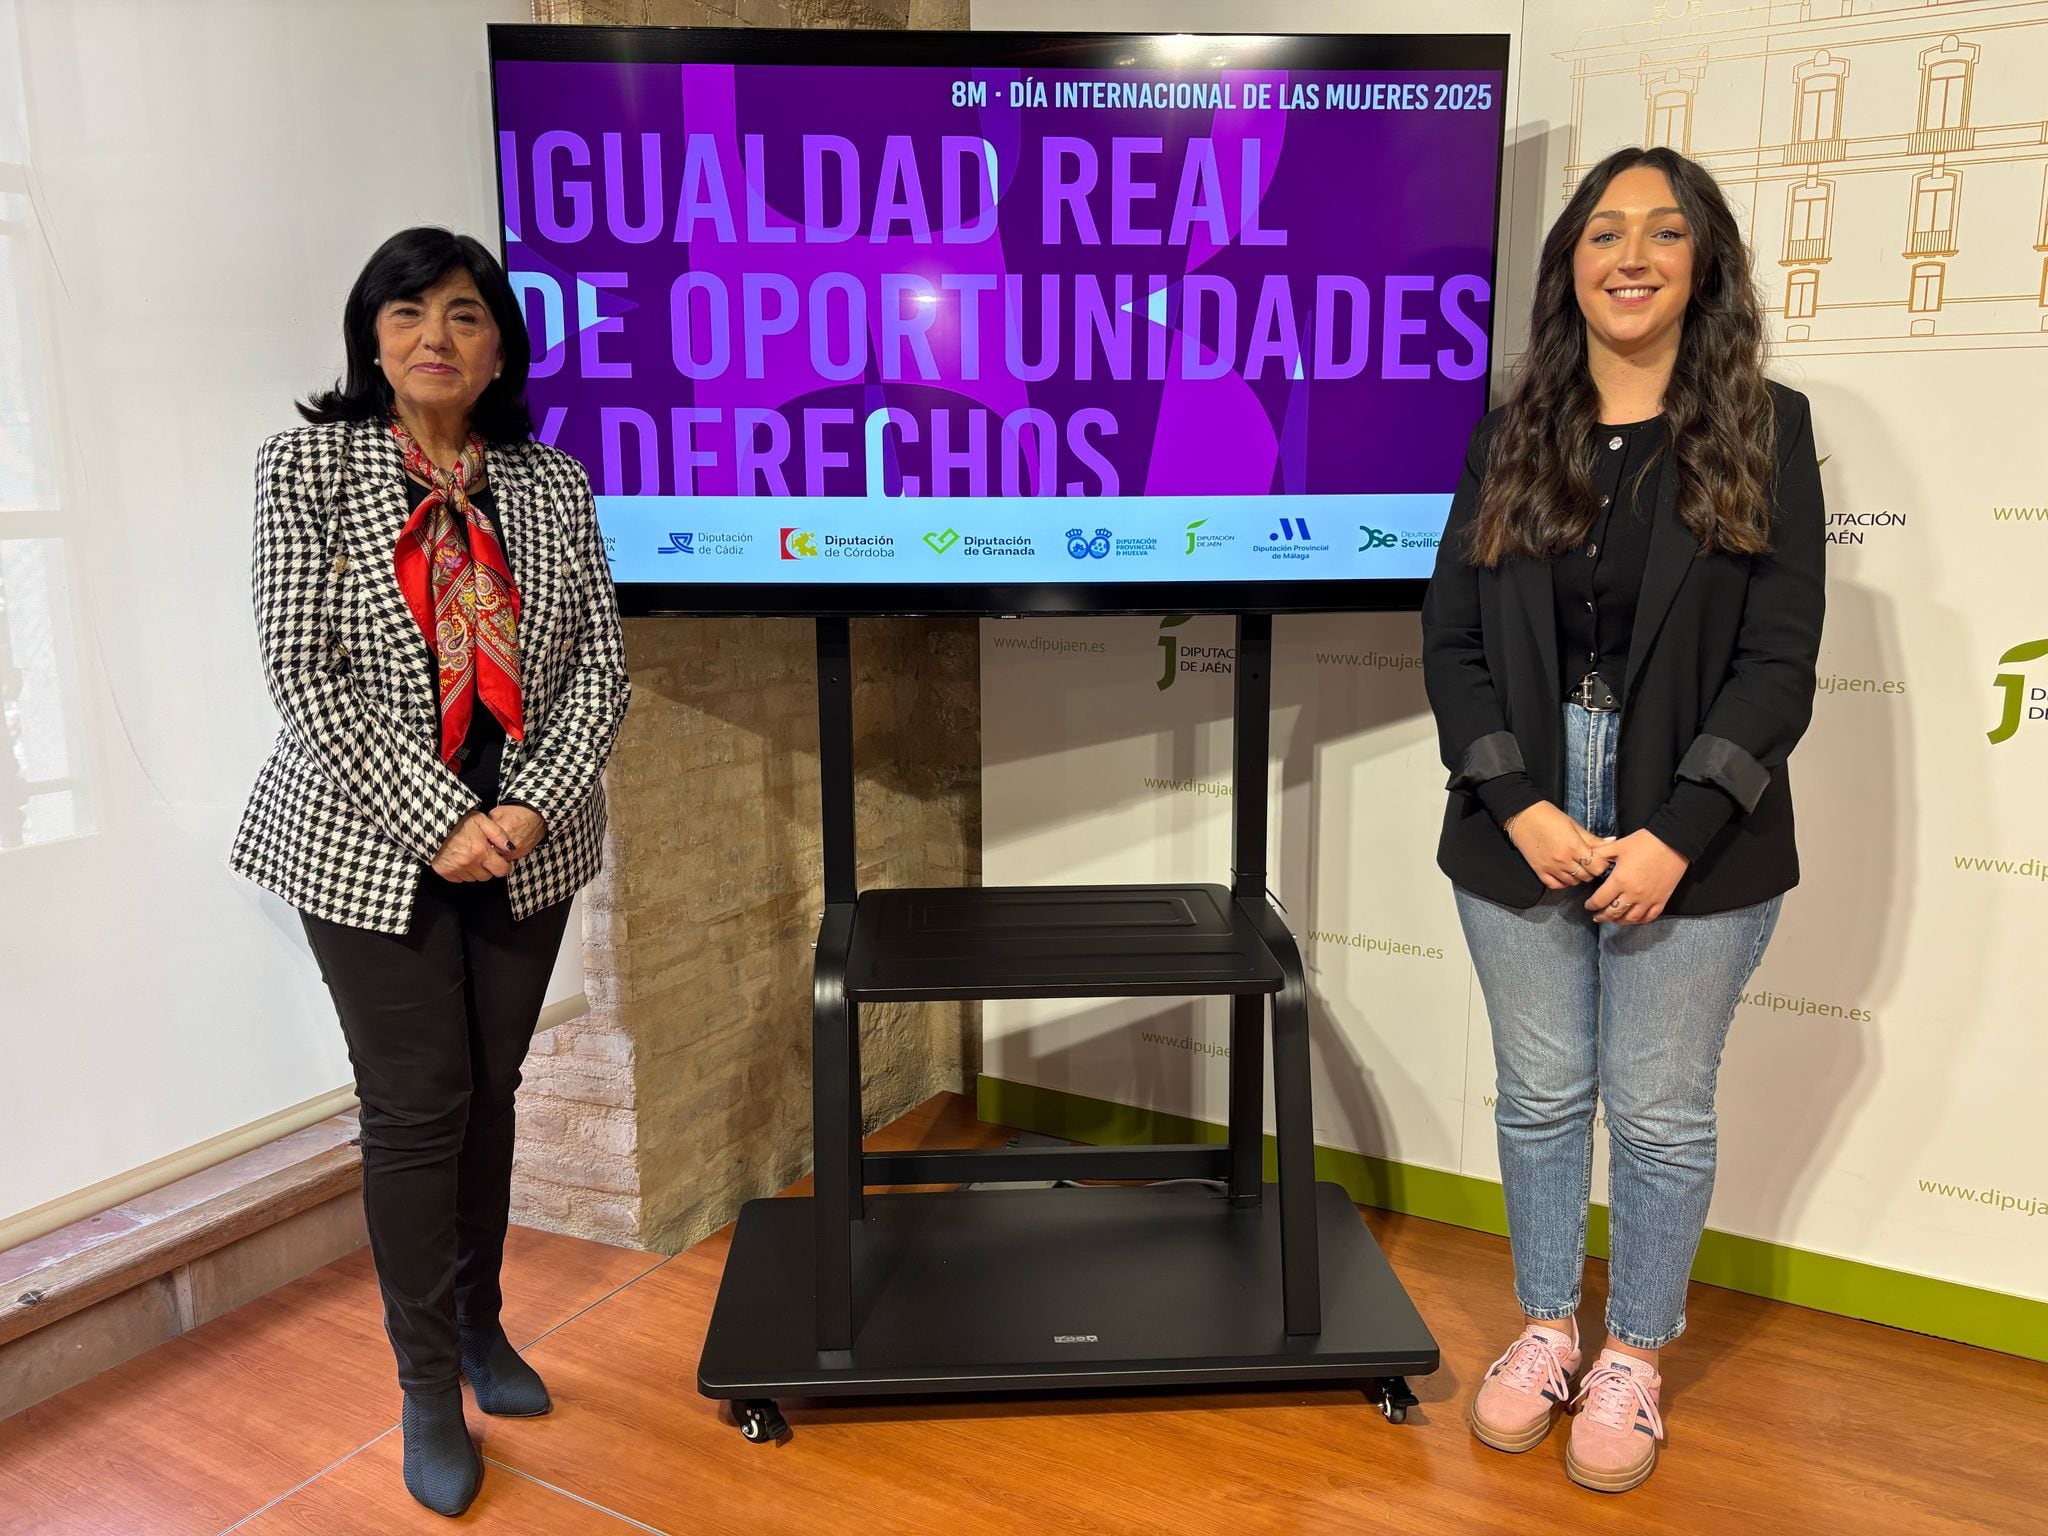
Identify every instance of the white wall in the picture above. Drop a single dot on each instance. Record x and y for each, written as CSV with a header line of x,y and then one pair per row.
x,y
194,186
1880,1098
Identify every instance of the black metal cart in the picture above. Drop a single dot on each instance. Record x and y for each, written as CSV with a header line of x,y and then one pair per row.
x,y
1233,1282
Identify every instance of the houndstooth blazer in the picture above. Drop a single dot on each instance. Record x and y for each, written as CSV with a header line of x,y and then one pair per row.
x,y
355,801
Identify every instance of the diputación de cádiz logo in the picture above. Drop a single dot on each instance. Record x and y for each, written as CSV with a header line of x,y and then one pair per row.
x,y
697,542
2020,701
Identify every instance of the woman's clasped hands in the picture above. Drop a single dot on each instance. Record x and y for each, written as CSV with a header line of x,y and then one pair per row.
x,y
1640,870
487,844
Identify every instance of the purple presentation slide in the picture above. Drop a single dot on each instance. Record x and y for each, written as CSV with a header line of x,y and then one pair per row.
x,y
916,324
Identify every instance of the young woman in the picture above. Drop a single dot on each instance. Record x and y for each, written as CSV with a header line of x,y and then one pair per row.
x,y
1619,645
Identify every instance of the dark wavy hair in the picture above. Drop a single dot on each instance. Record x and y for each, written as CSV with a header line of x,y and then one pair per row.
x,y
404,267
1538,499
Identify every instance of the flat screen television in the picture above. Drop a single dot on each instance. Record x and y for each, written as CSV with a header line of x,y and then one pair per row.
x,y
1005,323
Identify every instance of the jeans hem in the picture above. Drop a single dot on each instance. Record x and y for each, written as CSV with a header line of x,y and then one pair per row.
x,y
1640,1340
1548,1314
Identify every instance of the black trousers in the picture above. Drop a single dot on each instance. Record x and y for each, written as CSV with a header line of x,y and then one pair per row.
x,y
438,1021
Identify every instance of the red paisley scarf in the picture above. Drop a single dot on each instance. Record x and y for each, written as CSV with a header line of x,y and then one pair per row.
x,y
460,593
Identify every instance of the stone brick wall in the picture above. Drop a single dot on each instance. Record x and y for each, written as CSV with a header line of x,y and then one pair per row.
x,y
685,1090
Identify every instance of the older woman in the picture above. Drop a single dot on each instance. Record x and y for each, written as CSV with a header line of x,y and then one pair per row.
x,y
439,632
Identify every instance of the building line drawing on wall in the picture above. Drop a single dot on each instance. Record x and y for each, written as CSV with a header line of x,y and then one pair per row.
x,y
1890,156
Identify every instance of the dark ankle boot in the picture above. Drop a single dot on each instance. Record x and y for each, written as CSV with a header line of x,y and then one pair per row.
x,y
442,1467
504,1384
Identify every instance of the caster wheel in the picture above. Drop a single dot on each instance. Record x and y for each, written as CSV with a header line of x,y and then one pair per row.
x,y
1394,1398
760,1421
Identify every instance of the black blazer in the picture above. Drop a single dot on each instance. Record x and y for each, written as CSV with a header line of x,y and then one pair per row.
x,y
1720,682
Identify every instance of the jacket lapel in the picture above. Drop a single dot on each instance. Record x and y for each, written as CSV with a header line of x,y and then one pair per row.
x,y
1673,552
372,509
371,506
528,528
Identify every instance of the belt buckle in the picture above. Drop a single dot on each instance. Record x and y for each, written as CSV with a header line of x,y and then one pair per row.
x,y
1587,700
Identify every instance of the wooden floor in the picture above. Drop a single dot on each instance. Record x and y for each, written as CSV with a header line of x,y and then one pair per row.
x,y
279,1418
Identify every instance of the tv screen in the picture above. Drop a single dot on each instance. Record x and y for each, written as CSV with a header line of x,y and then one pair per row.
x,y
848,323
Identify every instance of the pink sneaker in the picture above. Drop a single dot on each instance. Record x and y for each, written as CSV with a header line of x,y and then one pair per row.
x,y
1615,1433
1525,1389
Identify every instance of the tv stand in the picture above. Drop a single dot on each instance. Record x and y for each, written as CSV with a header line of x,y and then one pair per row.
x,y
1135,1286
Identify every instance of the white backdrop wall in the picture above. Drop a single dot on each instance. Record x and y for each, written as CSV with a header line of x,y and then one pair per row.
x,y
1880,1098
187,189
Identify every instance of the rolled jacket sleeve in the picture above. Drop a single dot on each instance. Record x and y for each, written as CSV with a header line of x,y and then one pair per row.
x,y
1765,704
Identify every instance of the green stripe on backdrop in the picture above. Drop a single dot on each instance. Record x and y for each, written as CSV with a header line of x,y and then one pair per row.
x,y
1942,1308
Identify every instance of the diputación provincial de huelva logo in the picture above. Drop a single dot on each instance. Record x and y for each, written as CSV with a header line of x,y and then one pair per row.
x,y
1081,547
2019,701
1190,658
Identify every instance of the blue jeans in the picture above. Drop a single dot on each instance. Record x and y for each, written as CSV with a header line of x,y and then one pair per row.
x,y
1636,1016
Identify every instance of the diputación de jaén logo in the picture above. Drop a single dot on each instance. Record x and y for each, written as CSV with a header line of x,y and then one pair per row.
x,y
2020,701
1190,658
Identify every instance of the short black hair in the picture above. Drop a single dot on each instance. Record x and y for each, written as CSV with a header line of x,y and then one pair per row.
x,y
404,267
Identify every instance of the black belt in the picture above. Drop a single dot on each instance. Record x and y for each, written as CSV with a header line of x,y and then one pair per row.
x,y
1594,696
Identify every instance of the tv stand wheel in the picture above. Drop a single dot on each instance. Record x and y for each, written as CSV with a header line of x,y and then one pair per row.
x,y
760,1421
1394,1398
